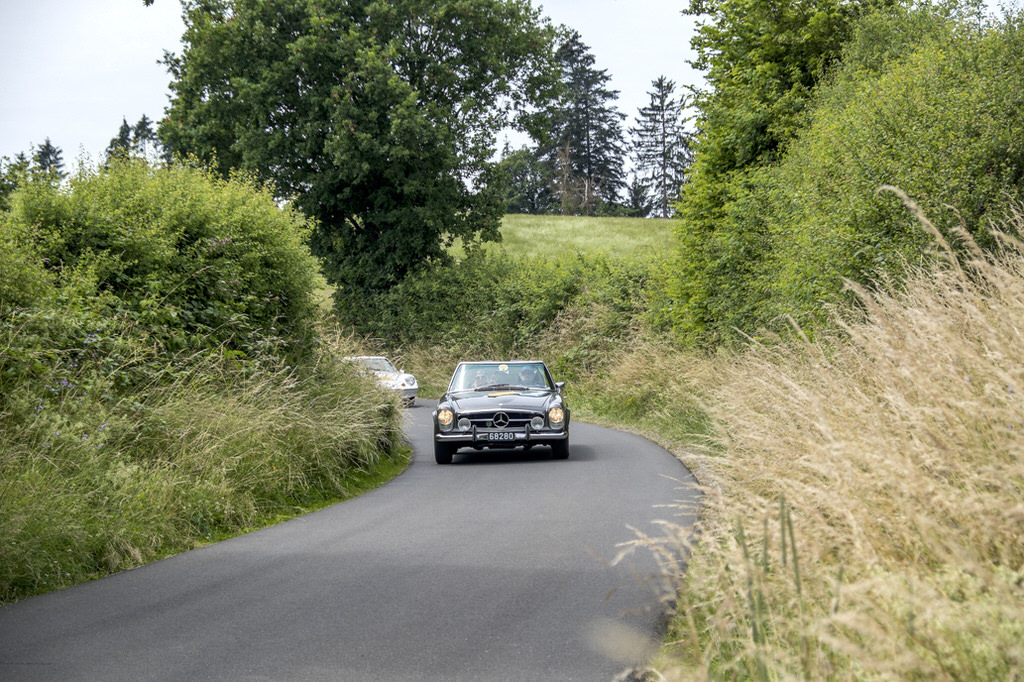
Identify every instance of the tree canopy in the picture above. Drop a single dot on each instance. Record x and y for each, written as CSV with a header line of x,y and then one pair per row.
x,y
526,181
377,118
762,61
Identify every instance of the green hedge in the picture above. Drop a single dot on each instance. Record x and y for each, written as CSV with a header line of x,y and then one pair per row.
x,y
925,103
196,261
163,379
492,303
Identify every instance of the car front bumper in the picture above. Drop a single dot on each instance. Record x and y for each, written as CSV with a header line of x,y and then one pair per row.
x,y
498,439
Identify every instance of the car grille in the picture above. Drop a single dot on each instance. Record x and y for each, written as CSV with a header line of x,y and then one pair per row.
x,y
494,420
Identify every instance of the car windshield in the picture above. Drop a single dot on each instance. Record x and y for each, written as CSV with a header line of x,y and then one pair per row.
x,y
484,376
377,364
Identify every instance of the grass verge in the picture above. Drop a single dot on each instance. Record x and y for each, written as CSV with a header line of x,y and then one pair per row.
x,y
863,494
95,483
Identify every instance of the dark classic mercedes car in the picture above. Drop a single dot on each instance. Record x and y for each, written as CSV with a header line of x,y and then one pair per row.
x,y
501,405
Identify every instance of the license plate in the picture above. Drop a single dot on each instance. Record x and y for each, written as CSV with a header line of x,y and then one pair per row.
x,y
501,435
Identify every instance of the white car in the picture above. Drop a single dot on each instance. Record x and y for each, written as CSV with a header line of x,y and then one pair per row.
x,y
387,376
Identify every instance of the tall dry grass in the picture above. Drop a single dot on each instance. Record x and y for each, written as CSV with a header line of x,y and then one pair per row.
x,y
864,500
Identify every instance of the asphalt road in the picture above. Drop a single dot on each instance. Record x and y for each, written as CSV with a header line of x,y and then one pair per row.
x,y
496,567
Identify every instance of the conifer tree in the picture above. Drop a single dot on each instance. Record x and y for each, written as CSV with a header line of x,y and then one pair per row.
x,y
639,201
143,135
661,146
138,139
585,144
48,159
12,173
121,144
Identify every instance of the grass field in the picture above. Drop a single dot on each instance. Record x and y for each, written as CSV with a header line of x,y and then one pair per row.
x,y
532,234
538,236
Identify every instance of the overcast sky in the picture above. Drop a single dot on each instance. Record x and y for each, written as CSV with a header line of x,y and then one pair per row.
x,y
70,70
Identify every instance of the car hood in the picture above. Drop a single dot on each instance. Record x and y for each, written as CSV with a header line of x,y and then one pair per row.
x,y
512,399
393,376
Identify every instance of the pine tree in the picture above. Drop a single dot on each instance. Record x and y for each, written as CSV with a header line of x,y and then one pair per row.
x,y
639,202
661,146
137,139
143,136
48,159
585,144
121,145
12,173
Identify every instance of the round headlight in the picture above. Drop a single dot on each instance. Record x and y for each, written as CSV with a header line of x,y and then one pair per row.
x,y
556,416
537,423
445,419
465,424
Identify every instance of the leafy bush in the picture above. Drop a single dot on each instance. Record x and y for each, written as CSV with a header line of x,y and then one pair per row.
x,y
945,124
24,280
196,261
494,304
163,378
942,119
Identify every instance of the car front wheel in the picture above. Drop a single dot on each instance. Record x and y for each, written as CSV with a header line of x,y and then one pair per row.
x,y
443,453
560,449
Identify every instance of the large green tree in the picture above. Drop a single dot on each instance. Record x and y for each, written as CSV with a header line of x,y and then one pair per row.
x,y
526,181
661,146
762,61
583,137
377,118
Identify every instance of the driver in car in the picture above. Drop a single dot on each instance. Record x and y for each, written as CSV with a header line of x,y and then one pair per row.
x,y
528,377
